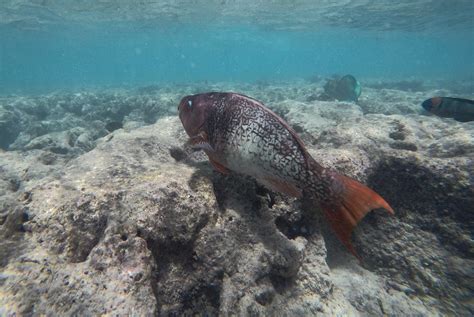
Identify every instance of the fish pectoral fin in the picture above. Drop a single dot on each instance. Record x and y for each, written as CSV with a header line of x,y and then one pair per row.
x,y
281,186
200,142
203,146
219,167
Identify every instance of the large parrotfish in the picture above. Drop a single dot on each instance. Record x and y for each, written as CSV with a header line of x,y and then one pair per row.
x,y
240,134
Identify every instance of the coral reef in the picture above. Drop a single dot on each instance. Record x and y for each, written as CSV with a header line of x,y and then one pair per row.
x,y
130,221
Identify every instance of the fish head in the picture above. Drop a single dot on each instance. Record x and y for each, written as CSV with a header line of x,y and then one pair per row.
x,y
194,111
432,104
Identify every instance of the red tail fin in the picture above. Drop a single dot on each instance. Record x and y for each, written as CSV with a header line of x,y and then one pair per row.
x,y
355,201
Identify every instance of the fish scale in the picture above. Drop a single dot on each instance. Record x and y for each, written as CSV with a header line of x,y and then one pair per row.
x,y
255,140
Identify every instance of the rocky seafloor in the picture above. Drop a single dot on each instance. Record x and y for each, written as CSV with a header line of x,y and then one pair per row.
x,y
104,211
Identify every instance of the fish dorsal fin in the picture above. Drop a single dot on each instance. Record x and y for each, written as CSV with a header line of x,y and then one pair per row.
x,y
468,101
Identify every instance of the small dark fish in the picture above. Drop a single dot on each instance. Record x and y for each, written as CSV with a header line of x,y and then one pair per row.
x,y
456,108
240,134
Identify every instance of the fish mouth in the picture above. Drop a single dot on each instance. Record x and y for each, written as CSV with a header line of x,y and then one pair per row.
x,y
198,131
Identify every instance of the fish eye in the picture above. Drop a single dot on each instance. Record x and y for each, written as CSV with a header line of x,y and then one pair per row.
x,y
190,103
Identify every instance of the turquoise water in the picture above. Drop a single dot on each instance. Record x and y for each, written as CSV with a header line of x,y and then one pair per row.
x,y
46,48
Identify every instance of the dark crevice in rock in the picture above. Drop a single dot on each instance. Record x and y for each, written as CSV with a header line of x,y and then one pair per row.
x,y
427,199
12,222
281,284
178,154
14,184
12,230
83,240
111,126
293,228
235,185
204,299
426,244
266,296
195,295
399,145
269,195
85,225
164,254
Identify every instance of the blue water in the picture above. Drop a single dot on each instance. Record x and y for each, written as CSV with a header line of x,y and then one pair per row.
x,y
64,55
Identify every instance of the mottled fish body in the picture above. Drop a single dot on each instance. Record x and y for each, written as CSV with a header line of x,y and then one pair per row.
x,y
240,134
448,107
